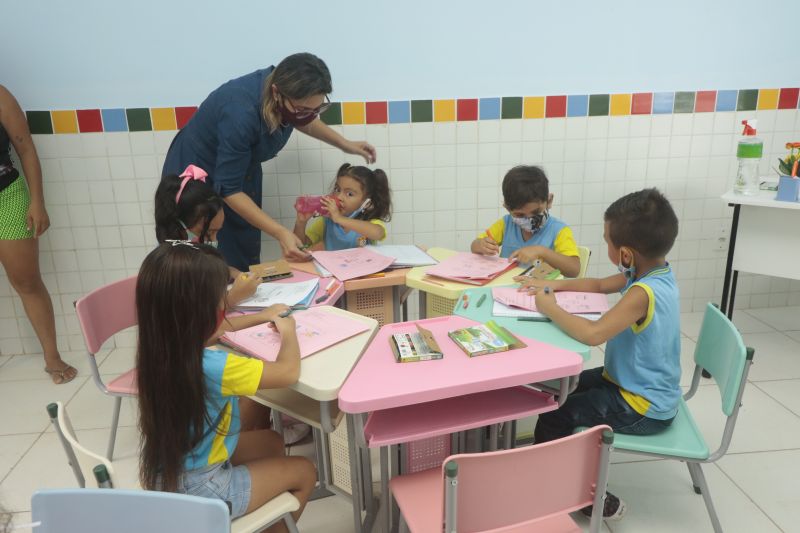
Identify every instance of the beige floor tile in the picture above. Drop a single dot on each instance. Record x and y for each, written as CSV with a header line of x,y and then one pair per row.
x,y
770,479
786,391
23,403
12,448
32,366
780,318
776,356
91,409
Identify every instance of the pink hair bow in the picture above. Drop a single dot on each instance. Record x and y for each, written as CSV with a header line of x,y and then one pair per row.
x,y
192,172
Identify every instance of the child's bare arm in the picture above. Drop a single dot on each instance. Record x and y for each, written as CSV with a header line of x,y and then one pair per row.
x,y
235,323
631,309
569,266
300,228
285,370
609,285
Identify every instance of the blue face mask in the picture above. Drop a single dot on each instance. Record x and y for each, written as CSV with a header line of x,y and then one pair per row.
x,y
629,272
358,211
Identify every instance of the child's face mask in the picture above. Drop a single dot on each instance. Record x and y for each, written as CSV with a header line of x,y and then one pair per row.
x,y
192,237
533,223
628,271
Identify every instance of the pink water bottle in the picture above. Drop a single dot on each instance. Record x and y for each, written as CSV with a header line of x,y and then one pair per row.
x,y
309,205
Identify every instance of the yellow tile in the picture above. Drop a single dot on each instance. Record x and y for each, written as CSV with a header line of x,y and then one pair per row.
x,y
65,121
533,107
620,104
163,118
768,98
444,110
353,113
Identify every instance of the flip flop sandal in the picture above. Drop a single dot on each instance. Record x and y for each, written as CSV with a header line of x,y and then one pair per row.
x,y
59,377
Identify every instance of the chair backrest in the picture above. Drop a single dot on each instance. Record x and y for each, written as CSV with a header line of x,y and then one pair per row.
x,y
507,487
86,458
720,350
107,311
126,511
584,254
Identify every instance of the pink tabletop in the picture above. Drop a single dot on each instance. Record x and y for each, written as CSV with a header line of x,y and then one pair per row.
x,y
379,382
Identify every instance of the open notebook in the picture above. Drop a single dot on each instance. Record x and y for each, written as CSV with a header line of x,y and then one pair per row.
x,y
316,330
289,294
471,268
509,302
352,262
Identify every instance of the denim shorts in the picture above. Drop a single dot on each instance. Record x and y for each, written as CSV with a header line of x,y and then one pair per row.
x,y
223,481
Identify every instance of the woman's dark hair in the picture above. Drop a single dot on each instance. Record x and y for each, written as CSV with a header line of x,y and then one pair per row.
x,y
643,220
376,187
178,293
297,77
197,202
524,184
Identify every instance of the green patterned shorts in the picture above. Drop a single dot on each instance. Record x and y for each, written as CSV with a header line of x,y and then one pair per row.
x,y
14,203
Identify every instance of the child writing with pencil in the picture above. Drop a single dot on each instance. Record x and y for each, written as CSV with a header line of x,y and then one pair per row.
x,y
193,435
529,233
358,210
637,390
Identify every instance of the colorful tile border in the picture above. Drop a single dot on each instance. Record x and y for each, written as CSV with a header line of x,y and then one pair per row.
x,y
442,110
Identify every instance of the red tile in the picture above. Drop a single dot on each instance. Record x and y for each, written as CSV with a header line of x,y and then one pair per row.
x,y
183,114
642,104
377,113
89,121
788,98
467,109
705,101
555,106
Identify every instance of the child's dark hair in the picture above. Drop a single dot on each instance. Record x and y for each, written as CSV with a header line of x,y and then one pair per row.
x,y
643,220
524,184
197,202
376,187
178,292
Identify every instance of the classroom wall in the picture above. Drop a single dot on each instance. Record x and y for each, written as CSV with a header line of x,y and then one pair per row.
x,y
608,101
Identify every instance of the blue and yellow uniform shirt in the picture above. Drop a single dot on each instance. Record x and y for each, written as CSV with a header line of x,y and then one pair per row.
x,y
554,234
227,377
644,360
336,237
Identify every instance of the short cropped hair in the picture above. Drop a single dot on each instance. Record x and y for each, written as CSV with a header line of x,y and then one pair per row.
x,y
524,184
643,220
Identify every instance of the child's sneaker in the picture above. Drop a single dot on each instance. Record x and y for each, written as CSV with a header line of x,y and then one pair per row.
x,y
613,508
295,433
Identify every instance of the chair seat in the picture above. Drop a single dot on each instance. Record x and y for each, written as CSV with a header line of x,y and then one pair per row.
x,y
124,383
272,510
419,497
681,439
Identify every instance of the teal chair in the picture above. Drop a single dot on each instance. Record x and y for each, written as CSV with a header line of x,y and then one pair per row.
x,y
719,350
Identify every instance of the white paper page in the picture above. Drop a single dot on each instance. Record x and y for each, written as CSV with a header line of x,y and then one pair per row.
x,y
404,254
280,293
324,272
499,309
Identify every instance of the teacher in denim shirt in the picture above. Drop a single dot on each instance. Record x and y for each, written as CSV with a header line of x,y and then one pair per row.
x,y
247,121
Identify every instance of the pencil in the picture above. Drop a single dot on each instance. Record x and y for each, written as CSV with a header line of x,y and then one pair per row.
x,y
533,319
481,299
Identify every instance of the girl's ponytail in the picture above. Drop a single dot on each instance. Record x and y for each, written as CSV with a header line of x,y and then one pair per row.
x,y
381,196
168,223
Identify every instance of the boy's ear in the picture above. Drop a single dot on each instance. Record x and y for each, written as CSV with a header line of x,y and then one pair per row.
x,y
549,200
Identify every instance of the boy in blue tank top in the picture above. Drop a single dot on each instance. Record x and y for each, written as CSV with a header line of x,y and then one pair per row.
x,y
528,232
637,390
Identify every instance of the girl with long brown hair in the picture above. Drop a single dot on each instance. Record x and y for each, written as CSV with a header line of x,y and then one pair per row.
x,y
191,437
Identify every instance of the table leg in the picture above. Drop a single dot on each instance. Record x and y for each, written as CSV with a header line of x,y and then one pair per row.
x,y
508,430
423,304
397,311
355,472
726,286
323,465
494,431
734,280
385,497
395,458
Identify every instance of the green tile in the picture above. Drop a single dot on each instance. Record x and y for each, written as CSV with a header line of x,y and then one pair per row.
x,y
684,102
748,98
512,107
421,110
39,121
598,105
139,119
333,115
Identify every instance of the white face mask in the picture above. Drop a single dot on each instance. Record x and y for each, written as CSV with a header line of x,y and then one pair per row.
x,y
629,272
358,211
192,237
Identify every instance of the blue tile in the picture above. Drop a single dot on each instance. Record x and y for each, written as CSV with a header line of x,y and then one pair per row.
x,y
114,120
577,105
489,108
663,102
399,112
726,100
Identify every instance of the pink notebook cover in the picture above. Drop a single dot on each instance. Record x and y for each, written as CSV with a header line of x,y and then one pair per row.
x,y
572,302
353,262
316,330
471,268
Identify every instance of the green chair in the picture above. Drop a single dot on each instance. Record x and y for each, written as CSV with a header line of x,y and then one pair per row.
x,y
720,351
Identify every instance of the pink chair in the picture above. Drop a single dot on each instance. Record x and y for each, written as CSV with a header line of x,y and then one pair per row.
x,y
524,489
103,313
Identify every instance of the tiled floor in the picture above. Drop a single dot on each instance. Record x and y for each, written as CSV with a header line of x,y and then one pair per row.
x,y
755,486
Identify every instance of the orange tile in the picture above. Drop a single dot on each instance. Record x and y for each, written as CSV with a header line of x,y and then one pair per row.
x,y
65,121
768,98
163,118
620,104
533,107
444,110
353,113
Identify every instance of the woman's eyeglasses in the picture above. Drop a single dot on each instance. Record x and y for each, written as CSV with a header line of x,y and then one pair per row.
x,y
301,112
